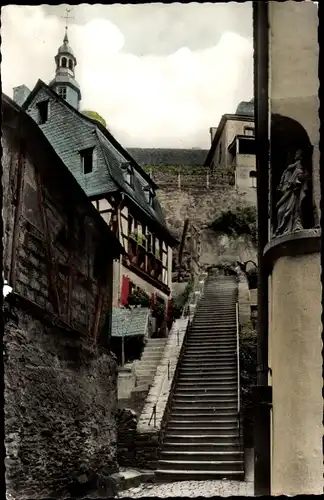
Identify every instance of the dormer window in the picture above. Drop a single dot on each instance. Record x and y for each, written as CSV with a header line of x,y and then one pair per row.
x,y
149,195
128,173
87,160
62,92
42,108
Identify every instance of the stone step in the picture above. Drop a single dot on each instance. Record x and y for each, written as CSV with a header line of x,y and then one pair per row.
x,y
151,357
202,351
217,423
205,455
154,349
212,402
199,384
210,339
145,370
211,358
221,393
203,444
213,326
203,379
204,465
216,344
196,366
195,428
166,475
198,411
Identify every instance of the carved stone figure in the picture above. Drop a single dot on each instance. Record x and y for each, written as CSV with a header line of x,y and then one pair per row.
x,y
293,188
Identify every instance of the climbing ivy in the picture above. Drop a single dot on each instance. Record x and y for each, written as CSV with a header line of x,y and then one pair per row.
x,y
237,222
248,362
180,301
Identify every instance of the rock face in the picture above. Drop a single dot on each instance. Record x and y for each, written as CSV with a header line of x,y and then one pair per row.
x,y
202,206
60,404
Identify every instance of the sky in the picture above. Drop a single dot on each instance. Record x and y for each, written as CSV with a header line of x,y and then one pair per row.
x,y
160,75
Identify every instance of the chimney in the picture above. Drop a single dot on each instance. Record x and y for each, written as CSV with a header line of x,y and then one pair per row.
x,y
212,132
20,94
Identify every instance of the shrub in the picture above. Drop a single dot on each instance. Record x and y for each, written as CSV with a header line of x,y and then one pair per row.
x,y
241,221
248,362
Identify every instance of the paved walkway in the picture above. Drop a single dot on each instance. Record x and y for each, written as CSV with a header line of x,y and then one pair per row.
x,y
191,489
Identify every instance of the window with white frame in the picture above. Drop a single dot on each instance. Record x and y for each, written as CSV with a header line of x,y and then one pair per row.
x,y
62,92
253,178
249,131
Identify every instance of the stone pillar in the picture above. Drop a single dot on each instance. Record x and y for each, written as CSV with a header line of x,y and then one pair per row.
x,y
295,361
294,84
292,255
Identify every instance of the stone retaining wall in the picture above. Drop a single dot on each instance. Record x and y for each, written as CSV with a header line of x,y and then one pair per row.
x,y
148,434
60,402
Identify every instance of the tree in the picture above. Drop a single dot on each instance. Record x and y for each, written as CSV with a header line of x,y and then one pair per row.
x,y
95,116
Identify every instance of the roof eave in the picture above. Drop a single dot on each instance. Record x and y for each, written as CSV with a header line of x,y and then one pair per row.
x,y
219,131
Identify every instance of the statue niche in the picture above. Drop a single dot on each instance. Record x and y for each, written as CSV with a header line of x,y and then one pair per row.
x,y
292,206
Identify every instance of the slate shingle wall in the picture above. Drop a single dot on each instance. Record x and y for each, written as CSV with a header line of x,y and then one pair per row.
x,y
68,134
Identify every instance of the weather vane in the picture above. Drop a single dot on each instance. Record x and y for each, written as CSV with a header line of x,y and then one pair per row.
x,y
67,18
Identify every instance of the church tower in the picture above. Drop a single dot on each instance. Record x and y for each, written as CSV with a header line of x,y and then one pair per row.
x,y
64,82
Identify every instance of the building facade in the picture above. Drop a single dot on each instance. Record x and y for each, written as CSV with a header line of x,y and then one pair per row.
x,y
233,149
60,387
123,193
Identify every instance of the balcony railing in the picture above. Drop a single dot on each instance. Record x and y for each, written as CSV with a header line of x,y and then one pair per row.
x,y
145,260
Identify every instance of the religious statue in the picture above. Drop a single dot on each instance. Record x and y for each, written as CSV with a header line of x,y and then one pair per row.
x,y
293,188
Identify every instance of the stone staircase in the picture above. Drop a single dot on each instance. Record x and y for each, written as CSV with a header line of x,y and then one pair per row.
x,y
146,367
202,436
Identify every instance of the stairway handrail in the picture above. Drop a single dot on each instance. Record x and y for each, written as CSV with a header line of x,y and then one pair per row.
x,y
238,358
167,371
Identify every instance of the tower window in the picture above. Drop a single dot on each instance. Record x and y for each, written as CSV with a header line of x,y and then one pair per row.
x,y
42,108
87,160
253,178
62,92
70,64
249,131
64,62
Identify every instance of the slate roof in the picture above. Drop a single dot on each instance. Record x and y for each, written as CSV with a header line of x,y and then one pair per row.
x,y
245,108
80,131
53,169
128,323
168,156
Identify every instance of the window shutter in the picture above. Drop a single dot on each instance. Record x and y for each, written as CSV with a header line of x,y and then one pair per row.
x,y
125,291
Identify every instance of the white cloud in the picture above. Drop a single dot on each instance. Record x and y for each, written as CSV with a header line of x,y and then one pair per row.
x,y
146,101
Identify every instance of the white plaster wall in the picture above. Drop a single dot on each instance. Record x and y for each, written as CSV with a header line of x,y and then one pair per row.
x,y
147,287
296,363
294,82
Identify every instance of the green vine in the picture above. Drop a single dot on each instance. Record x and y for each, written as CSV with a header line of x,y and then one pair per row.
x,y
248,362
241,221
